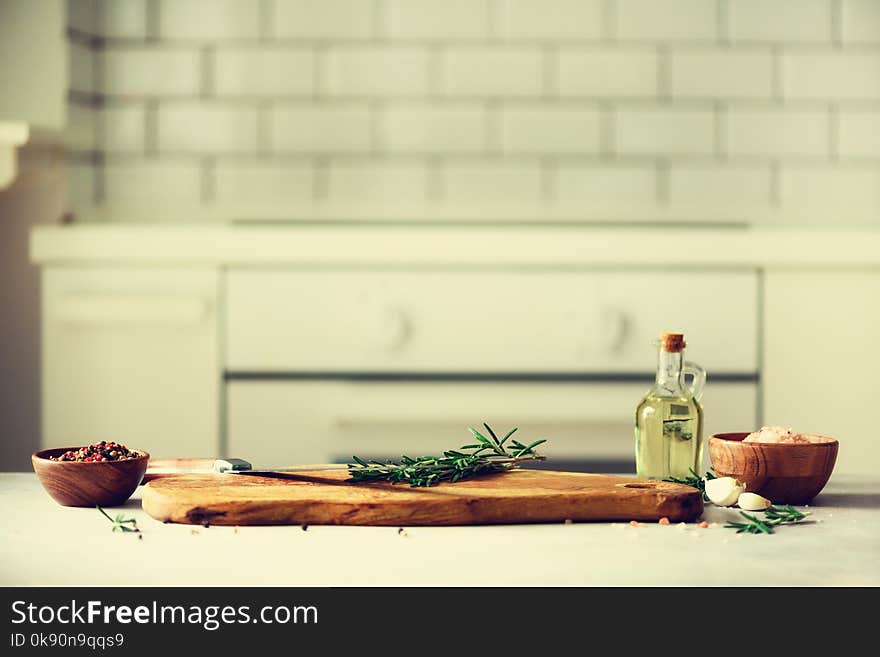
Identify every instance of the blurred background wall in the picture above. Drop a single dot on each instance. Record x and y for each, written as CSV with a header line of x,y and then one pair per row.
x,y
726,110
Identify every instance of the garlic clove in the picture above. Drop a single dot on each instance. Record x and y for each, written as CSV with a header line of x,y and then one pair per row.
x,y
753,502
724,491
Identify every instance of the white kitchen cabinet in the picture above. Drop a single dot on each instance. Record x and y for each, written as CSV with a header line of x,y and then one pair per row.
x,y
275,422
131,354
821,358
486,321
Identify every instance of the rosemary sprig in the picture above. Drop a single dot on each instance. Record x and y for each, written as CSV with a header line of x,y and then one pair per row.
x,y
696,481
487,455
773,516
120,524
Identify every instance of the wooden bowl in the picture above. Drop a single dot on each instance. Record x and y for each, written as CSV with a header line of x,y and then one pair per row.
x,y
783,473
76,483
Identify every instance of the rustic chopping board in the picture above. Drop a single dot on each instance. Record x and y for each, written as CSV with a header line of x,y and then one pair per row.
x,y
328,498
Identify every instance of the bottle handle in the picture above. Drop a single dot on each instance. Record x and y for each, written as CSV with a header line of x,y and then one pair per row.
x,y
698,375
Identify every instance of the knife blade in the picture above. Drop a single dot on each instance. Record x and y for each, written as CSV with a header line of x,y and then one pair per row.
x,y
228,466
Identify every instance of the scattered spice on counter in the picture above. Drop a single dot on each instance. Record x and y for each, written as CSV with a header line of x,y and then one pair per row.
x,y
102,451
663,521
401,531
703,525
194,532
635,523
569,521
305,528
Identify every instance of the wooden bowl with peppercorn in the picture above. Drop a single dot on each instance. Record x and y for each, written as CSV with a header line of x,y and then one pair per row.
x,y
103,474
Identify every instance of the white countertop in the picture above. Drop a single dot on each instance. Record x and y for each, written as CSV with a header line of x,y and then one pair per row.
x,y
457,245
46,544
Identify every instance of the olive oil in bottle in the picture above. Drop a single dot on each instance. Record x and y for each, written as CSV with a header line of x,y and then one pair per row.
x,y
669,418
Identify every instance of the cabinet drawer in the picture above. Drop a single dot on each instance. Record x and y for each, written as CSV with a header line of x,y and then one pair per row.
x,y
320,421
485,321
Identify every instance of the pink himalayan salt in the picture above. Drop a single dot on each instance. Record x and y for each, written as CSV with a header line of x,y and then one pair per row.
x,y
776,435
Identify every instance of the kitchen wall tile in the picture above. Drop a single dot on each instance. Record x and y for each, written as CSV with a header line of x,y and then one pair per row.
x,y
780,20
124,18
377,182
436,19
377,71
842,190
777,132
264,71
685,20
503,71
548,130
123,128
81,130
144,182
80,185
607,72
82,16
480,183
202,127
859,133
142,71
314,127
606,183
322,19
81,68
718,73
664,131
861,21
566,19
263,182
832,75
209,19
433,128
713,184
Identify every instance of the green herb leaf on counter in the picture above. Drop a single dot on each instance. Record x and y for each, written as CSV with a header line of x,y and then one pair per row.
x,y
775,515
486,456
696,481
120,524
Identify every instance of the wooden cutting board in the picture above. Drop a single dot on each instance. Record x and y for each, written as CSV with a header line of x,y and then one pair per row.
x,y
328,498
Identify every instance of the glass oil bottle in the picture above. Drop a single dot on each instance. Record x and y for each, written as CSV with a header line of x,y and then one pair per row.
x,y
669,418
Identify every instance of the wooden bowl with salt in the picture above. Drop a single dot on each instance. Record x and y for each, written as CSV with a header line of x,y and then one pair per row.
x,y
784,473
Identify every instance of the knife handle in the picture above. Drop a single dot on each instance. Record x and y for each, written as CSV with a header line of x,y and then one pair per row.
x,y
158,468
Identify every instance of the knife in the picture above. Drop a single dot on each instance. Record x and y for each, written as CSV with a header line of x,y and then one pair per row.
x,y
231,466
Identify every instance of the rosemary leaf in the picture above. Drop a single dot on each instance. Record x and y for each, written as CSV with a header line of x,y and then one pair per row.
x,y
486,457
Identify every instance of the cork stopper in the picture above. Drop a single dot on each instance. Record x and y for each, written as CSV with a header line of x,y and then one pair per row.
x,y
672,343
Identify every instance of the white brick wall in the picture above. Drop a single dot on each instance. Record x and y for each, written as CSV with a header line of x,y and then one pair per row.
x,y
536,19
377,71
775,132
781,20
209,19
264,71
861,21
772,106
427,128
540,130
258,182
322,19
607,72
717,73
859,133
377,182
141,71
497,71
312,128
194,127
835,76
662,130
436,19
